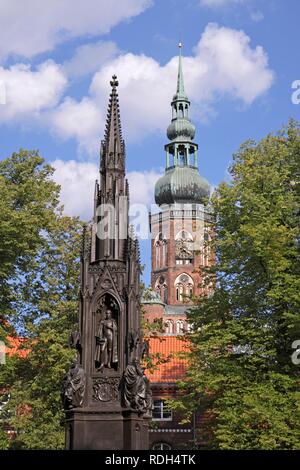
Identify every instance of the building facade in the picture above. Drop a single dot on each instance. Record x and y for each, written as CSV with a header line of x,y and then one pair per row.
x,y
179,232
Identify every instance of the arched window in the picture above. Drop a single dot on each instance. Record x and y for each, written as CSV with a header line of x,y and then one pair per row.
x,y
191,156
165,294
207,248
162,288
184,235
186,110
161,446
164,252
184,286
157,255
179,327
160,244
169,327
182,155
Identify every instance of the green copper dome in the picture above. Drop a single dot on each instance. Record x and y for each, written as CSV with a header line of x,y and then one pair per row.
x,y
181,182
181,185
181,129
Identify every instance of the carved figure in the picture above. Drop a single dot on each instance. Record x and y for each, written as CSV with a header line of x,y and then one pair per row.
x,y
73,387
135,388
106,353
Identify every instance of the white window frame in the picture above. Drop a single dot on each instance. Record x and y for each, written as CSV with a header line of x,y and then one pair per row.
x,y
161,402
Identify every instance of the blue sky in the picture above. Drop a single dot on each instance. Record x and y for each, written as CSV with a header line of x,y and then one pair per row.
x,y
240,60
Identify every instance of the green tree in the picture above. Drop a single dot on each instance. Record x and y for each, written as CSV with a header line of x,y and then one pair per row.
x,y
29,198
240,370
39,280
50,307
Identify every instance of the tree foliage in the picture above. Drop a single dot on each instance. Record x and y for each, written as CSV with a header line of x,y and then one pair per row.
x,y
240,369
28,201
40,278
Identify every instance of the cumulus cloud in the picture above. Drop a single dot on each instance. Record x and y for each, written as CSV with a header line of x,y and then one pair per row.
x,y
30,27
30,90
224,63
231,65
82,120
77,186
90,57
141,186
144,91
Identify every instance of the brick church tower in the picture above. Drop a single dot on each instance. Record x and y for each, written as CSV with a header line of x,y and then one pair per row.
x,y
178,233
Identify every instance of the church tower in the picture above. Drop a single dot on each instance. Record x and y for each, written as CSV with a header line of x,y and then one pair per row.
x,y
105,394
181,226
179,231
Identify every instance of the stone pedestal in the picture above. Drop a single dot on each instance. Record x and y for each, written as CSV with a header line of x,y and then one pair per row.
x,y
136,434
88,430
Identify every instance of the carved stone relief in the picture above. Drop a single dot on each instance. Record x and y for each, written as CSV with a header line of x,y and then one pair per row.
x,y
106,389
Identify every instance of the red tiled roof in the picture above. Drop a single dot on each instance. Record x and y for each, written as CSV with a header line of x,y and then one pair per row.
x,y
175,368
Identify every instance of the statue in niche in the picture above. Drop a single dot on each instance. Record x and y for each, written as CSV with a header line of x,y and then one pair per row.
x,y
73,387
106,353
135,389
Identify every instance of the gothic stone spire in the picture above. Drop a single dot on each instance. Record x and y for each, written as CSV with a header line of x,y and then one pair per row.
x,y
112,147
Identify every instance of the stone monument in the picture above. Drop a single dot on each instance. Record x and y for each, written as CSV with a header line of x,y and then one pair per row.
x,y
106,395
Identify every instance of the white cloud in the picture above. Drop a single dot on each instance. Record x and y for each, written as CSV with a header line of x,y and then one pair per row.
x,y
231,65
77,181
144,90
90,57
218,3
29,27
256,16
81,120
31,91
77,186
224,63
141,186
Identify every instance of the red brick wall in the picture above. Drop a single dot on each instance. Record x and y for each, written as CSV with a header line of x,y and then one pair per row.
x,y
172,270
152,311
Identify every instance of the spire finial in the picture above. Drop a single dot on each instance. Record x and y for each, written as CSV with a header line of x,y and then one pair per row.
x,y
113,134
114,82
180,85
